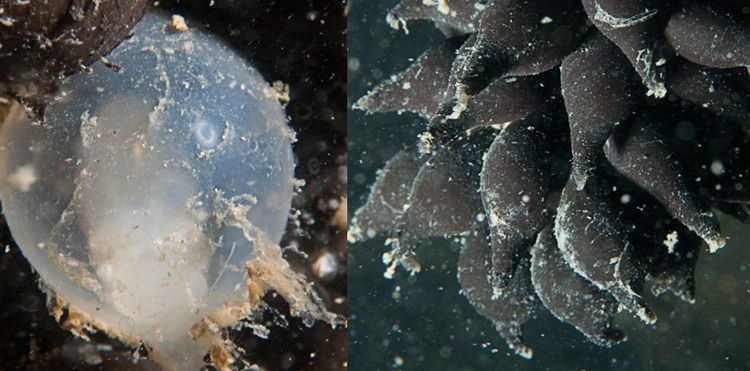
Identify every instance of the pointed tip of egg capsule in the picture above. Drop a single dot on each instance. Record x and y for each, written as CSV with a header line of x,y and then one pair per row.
x,y
511,332
525,352
580,177
646,315
581,168
715,243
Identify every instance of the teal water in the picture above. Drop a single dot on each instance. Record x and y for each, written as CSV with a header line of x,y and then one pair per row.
x,y
424,323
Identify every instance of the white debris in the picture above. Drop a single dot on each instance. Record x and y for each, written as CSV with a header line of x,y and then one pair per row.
x,y
178,23
602,15
326,265
671,241
717,168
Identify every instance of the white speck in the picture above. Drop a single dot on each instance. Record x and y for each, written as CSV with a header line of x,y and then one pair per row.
x,y
396,294
525,198
326,265
717,168
353,64
625,198
398,361
7,21
546,20
23,178
671,241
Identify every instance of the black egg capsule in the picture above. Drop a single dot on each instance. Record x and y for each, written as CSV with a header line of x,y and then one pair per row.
x,y
599,88
420,88
505,100
710,35
508,309
515,189
664,247
633,26
593,242
41,41
443,200
519,38
570,297
674,267
716,90
387,197
643,156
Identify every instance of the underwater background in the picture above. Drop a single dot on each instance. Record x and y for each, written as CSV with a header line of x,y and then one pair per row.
x,y
424,322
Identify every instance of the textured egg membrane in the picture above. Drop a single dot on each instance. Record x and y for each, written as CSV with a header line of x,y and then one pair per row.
x,y
152,197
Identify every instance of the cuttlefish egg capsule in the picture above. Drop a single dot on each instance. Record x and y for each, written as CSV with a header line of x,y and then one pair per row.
x,y
137,197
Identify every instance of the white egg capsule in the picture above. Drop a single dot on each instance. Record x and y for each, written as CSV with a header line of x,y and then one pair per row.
x,y
151,184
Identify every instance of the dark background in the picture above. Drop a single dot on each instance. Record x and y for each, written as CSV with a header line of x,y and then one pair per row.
x,y
425,324
301,43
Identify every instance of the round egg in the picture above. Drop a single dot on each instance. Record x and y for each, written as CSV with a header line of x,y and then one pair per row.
x,y
150,183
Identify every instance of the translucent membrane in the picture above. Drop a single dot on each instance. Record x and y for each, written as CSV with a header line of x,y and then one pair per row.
x,y
149,185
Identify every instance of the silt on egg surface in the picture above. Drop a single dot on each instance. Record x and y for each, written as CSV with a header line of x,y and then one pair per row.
x,y
150,184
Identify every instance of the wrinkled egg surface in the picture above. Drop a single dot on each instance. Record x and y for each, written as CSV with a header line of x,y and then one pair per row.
x,y
121,198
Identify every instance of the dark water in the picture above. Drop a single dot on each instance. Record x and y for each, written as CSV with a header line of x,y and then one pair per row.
x,y
423,323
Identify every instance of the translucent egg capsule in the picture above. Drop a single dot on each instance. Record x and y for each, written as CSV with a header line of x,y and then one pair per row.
x,y
155,183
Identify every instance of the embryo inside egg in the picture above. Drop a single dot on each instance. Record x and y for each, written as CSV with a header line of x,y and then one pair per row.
x,y
150,184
